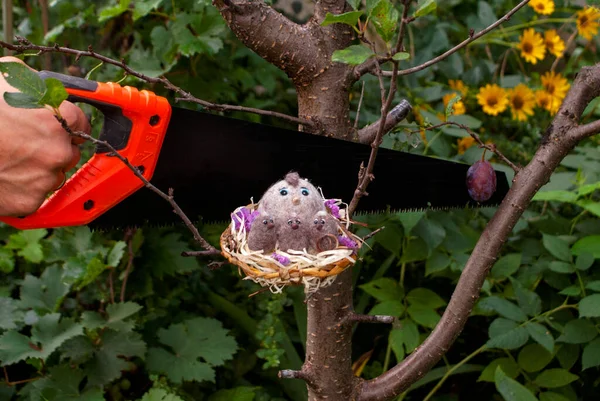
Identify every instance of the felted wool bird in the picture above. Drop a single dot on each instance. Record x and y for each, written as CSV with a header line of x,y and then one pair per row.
x,y
324,232
294,234
263,234
292,203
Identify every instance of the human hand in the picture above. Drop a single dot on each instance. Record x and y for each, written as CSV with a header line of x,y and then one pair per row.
x,y
35,152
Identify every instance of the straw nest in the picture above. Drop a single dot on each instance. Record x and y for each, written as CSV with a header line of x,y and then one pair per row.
x,y
278,269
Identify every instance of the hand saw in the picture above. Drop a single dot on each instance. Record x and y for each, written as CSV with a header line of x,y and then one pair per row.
x,y
215,164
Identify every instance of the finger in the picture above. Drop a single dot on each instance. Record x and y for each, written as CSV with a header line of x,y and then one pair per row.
x,y
75,118
60,181
75,158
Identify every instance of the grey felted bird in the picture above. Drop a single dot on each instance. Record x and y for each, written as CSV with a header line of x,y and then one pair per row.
x,y
323,232
295,200
263,234
294,234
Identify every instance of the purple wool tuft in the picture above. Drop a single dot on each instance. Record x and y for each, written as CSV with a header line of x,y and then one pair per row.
x,y
281,259
245,215
347,242
333,208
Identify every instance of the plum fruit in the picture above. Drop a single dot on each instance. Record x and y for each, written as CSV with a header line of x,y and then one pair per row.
x,y
481,181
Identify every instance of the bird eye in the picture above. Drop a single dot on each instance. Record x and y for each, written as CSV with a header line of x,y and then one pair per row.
x,y
316,221
290,222
322,221
297,221
304,191
271,221
265,221
283,192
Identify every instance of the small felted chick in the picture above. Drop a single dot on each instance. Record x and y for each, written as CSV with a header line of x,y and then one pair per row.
x,y
293,234
263,234
324,232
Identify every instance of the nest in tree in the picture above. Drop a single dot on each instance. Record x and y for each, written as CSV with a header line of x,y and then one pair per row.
x,y
278,269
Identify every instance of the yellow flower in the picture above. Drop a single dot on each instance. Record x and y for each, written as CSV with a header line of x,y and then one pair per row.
x,y
459,86
521,100
555,84
545,100
458,107
532,46
545,7
587,22
493,99
554,43
464,144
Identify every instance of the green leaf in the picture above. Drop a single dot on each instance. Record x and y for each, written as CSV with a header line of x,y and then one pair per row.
x,y
55,93
193,339
541,335
8,313
507,334
534,357
409,220
503,307
116,253
423,315
63,384
528,301
506,265
7,260
94,269
354,3
561,267
113,11
511,389
558,196
593,285
567,355
162,254
425,297
383,289
351,18
107,362
27,243
235,394
550,396
143,8
571,291
389,308
590,306
159,394
430,231
591,355
448,112
507,365
121,311
46,336
578,331
23,79
396,341
437,262
400,56
552,378
590,206
425,7
385,18
589,244
45,293
353,55
411,336
557,247
22,101
584,261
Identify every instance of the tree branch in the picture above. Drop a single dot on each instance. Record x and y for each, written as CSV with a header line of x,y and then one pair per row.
x,y
25,45
322,7
397,114
561,137
367,66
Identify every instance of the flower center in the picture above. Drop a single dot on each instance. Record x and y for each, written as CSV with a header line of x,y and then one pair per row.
x,y
492,101
583,20
517,103
540,7
551,89
527,47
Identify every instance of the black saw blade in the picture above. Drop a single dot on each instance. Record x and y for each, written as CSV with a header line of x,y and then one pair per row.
x,y
215,164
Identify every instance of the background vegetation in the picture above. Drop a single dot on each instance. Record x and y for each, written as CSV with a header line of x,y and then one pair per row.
x,y
121,316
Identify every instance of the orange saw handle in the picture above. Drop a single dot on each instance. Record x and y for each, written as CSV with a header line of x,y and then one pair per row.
x,y
135,124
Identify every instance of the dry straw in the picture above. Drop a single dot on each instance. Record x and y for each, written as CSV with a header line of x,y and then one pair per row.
x,y
312,271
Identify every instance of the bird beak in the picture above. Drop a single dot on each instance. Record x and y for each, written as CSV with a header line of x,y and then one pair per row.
x,y
295,226
296,200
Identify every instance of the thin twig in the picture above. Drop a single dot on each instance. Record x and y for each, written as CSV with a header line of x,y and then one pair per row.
x,y
10,384
371,234
201,253
111,285
368,67
362,94
129,234
403,22
169,198
25,45
491,147
355,317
